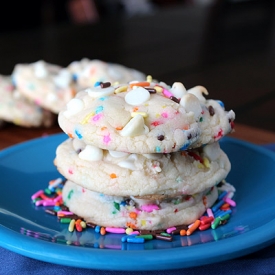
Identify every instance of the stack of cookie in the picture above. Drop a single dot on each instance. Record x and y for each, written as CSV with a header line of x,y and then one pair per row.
x,y
142,155
35,93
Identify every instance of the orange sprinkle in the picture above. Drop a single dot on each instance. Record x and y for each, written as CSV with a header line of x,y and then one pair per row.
x,y
140,84
70,135
186,127
204,200
103,128
135,109
102,230
131,225
191,229
133,215
119,128
113,176
183,232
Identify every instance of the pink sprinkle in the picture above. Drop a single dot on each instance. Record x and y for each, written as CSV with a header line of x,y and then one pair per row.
x,y
38,203
134,233
37,194
48,203
116,230
167,93
171,229
230,202
149,207
58,198
209,212
70,171
165,115
106,139
97,117
64,213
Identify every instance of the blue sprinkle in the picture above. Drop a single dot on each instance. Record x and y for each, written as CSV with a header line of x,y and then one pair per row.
x,y
78,134
217,206
97,84
225,212
103,98
158,150
221,103
75,77
123,203
97,229
135,240
124,239
222,195
185,146
99,109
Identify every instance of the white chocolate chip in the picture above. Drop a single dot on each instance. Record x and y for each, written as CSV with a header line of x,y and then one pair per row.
x,y
74,106
91,153
129,163
212,151
137,96
178,90
135,127
198,91
99,92
40,69
191,104
116,154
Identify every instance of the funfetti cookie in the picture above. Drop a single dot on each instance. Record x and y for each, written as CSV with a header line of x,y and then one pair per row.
x,y
123,212
19,110
125,174
49,86
145,117
88,72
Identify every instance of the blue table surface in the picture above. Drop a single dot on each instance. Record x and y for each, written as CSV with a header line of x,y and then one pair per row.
x,y
260,262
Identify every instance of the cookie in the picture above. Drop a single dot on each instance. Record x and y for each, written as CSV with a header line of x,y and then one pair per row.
x,y
125,174
49,86
145,117
117,211
17,109
88,72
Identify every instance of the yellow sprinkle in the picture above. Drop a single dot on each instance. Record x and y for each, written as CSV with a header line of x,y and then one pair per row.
x,y
157,115
121,89
115,83
206,162
200,165
133,114
149,78
143,222
158,89
83,224
71,225
86,118
129,230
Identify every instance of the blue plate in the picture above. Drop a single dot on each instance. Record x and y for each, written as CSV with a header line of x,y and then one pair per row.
x,y
27,230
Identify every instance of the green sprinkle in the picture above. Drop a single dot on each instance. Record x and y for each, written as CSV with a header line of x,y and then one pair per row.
x,y
201,119
65,220
225,217
165,234
146,237
216,223
116,205
48,191
70,194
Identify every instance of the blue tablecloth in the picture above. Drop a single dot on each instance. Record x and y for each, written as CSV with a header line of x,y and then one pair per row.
x,y
260,262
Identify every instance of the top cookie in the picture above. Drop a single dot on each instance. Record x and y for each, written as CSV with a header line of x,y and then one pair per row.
x,y
145,117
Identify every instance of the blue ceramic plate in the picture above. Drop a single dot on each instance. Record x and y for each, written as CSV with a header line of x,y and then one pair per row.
x,y
27,230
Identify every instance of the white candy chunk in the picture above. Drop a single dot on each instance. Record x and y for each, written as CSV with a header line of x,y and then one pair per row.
x,y
40,69
91,153
135,127
178,90
129,163
99,92
74,106
63,79
191,104
137,96
198,91
78,144
116,154
212,151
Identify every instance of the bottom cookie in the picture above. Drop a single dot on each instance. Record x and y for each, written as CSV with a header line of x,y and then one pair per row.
x,y
114,211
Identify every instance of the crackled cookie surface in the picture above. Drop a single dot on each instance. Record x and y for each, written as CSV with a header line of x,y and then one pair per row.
x,y
115,211
49,86
125,174
145,117
17,109
87,72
